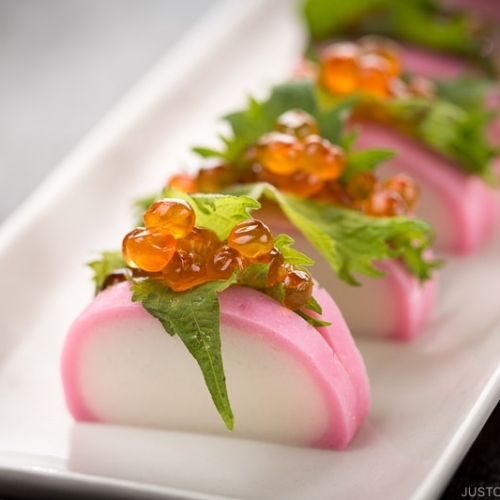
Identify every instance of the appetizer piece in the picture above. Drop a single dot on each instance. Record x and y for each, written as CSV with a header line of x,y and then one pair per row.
x,y
456,40
277,358
439,132
426,26
396,306
288,152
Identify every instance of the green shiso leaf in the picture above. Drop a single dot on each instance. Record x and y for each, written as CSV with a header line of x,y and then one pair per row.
x,y
365,160
109,262
332,119
254,276
193,316
219,212
453,123
283,242
312,320
466,92
457,133
259,118
325,18
312,305
208,152
350,241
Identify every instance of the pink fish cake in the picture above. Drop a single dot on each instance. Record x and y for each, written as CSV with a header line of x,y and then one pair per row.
x,y
288,382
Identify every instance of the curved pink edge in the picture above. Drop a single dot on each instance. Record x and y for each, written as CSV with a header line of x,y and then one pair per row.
x,y
347,402
97,311
413,300
343,345
472,206
317,358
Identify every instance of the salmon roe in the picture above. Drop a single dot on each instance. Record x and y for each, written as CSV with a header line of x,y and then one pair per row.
x,y
339,68
297,123
174,216
406,187
183,183
184,255
372,66
384,49
297,160
252,238
280,153
322,158
148,249
384,203
298,286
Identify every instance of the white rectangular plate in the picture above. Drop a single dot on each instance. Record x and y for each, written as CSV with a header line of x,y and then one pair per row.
x,y
430,397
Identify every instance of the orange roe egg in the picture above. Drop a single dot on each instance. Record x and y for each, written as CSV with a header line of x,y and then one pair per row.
x,y
298,288
115,277
303,184
406,187
299,183
173,215
297,123
184,183
148,249
334,193
279,153
339,72
322,158
361,186
185,271
251,238
384,203
120,275
225,260
199,241
385,49
211,180
275,260
374,77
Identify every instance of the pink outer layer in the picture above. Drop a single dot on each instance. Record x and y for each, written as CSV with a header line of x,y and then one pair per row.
x,y
341,378
471,206
412,301
341,342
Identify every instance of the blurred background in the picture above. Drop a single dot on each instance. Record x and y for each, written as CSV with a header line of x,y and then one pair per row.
x,y
63,65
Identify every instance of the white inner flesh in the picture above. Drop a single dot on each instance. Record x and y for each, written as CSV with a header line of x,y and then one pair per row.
x,y
133,373
369,310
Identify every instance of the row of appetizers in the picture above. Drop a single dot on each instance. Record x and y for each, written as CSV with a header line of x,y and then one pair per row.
x,y
369,162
